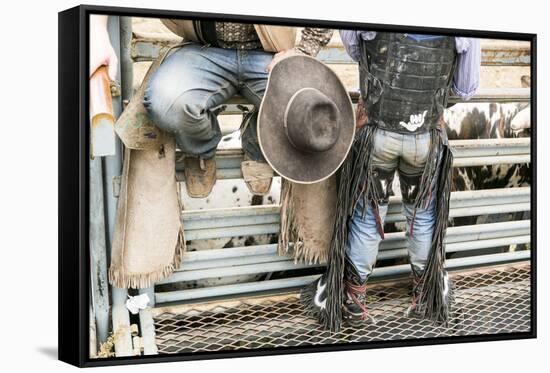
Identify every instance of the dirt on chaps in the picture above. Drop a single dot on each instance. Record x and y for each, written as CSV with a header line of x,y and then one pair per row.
x,y
148,241
307,219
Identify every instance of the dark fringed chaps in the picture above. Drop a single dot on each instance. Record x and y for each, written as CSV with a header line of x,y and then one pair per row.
x,y
352,184
355,182
435,299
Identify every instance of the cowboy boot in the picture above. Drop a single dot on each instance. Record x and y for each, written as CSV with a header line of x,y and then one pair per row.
x,y
200,175
355,299
414,309
257,176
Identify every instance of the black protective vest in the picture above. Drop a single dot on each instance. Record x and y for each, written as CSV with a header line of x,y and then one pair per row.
x,y
405,82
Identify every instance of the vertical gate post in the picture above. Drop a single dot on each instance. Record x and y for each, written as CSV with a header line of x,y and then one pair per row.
x,y
147,327
98,253
126,61
113,168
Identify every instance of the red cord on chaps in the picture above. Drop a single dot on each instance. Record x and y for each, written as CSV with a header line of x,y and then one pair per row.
x,y
376,213
353,289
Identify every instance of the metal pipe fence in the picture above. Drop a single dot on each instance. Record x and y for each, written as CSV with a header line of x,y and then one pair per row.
x,y
259,220
146,47
467,153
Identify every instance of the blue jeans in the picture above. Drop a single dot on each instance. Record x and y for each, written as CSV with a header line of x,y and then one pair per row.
x,y
406,153
194,80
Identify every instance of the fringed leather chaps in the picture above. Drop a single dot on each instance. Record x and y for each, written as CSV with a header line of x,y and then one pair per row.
x,y
356,181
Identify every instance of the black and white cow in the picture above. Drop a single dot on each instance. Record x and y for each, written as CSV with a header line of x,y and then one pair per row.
x,y
489,121
225,194
467,121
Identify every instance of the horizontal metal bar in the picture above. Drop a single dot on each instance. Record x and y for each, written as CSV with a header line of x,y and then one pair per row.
x,y
467,153
456,247
391,240
466,233
496,196
486,210
234,212
228,253
470,237
476,198
391,247
489,152
477,260
469,245
146,47
490,147
394,217
231,158
397,249
500,95
496,144
244,221
249,269
294,282
233,262
231,222
249,287
482,161
506,54
493,54
245,230
235,173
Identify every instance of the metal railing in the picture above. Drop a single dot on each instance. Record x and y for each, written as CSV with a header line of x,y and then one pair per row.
x,y
467,153
146,47
257,220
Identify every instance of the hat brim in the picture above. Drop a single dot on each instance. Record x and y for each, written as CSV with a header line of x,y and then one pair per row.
x,y
288,76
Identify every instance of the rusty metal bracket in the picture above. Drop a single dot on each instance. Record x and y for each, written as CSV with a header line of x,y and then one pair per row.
x,y
116,91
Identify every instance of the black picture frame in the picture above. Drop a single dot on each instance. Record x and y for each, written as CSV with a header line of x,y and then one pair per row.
x,y
74,265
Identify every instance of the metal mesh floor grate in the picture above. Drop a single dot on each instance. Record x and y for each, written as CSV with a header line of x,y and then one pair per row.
x,y
487,301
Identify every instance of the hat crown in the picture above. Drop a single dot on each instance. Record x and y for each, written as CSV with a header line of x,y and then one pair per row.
x,y
312,121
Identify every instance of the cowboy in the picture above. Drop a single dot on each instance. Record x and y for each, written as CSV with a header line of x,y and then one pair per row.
x,y
405,81
178,99
223,59
306,126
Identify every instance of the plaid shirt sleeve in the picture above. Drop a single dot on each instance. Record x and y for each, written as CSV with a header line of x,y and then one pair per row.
x,y
313,39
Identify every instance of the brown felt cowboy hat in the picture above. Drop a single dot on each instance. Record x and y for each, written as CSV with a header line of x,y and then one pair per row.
x,y
306,122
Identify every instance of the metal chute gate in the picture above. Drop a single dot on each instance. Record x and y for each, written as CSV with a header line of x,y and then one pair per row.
x,y
493,290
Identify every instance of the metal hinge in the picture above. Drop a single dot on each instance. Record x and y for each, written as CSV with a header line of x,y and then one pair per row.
x,y
117,180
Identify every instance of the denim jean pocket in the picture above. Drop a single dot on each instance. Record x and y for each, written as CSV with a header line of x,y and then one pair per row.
x,y
421,149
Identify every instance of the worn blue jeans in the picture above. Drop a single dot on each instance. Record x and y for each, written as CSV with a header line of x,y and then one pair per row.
x,y
406,153
194,80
